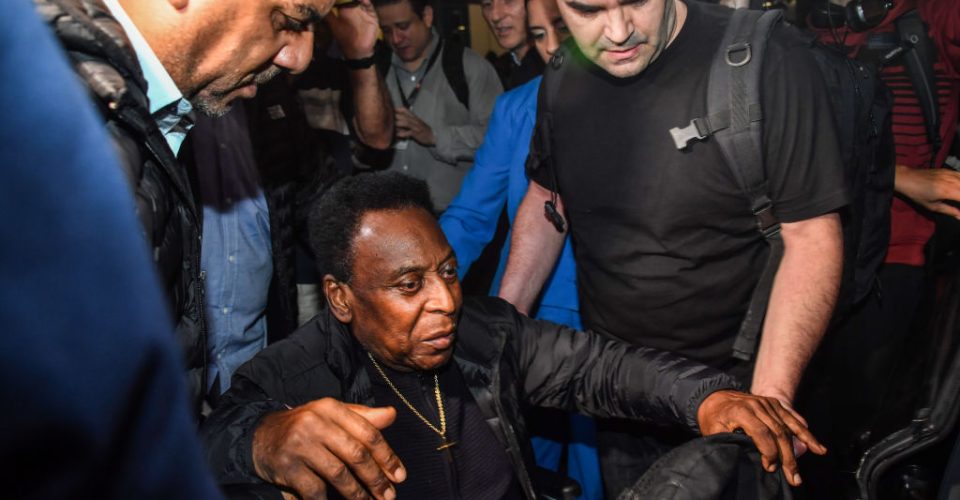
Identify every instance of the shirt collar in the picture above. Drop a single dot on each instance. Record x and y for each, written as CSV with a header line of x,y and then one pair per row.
x,y
161,90
517,61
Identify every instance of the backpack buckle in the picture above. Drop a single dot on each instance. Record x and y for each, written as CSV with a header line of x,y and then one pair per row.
x,y
697,130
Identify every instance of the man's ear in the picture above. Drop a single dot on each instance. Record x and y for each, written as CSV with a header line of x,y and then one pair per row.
x,y
427,16
338,299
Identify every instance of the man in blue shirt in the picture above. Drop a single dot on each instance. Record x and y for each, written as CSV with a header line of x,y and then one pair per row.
x,y
148,64
248,249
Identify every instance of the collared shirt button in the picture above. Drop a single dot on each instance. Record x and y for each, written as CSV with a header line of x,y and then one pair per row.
x,y
231,258
405,168
226,310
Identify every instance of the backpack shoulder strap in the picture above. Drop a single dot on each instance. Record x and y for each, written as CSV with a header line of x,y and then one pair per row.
x,y
735,120
541,146
918,59
452,63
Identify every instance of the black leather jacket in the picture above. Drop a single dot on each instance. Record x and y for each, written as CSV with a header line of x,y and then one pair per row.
x,y
105,61
509,363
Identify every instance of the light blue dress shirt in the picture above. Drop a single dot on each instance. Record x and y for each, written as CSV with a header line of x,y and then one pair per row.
x,y
236,255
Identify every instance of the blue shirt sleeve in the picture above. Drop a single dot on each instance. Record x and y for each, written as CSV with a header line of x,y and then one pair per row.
x,y
471,219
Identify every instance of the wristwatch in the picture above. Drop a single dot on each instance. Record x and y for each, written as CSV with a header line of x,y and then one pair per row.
x,y
363,63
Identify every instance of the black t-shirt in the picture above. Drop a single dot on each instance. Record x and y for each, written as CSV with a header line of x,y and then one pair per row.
x,y
667,249
476,467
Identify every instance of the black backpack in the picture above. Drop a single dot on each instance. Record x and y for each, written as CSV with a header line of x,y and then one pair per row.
x,y
718,467
861,107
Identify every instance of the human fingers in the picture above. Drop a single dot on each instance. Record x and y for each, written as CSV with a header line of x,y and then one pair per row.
x,y
351,466
762,437
773,430
946,209
801,433
769,412
305,446
281,450
380,417
367,431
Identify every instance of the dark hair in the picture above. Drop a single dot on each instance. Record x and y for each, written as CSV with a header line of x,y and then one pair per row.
x,y
335,218
418,5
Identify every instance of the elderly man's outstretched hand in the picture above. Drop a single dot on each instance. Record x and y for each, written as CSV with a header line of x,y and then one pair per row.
x,y
770,424
328,443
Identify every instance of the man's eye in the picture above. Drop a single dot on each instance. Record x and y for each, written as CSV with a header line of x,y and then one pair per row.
x,y
283,22
449,272
537,35
584,9
410,285
403,26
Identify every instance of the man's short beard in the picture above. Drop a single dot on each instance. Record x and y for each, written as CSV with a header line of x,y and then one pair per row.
x,y
214,103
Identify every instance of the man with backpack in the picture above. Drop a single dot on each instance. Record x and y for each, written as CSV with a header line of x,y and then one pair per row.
x,y
666,235
443,95
915,46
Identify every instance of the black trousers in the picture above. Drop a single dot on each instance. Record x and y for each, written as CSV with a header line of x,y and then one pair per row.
x,y
862,382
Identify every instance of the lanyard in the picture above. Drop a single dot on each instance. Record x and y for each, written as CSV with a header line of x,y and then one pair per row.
x,y
408,99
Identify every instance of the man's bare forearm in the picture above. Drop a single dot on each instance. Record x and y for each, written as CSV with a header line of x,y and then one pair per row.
x,y
535,245
801,303
373,111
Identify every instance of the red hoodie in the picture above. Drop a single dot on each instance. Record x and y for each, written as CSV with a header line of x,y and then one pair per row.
x,y
910,228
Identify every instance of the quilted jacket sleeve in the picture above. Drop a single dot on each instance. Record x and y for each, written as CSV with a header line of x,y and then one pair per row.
x,y
587,373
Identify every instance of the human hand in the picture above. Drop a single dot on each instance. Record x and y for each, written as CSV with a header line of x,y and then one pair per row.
x,y
410,126
770,424
931,188
354,26
327,442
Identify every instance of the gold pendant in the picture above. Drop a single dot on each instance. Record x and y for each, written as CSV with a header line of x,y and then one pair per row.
x,y
445,444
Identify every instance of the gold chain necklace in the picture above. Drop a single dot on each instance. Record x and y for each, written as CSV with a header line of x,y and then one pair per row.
x,y
442,431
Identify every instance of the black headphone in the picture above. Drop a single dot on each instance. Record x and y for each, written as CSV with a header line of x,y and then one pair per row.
x,y
858,15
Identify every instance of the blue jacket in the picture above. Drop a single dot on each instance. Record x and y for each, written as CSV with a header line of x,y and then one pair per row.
x,y
90,371
498,176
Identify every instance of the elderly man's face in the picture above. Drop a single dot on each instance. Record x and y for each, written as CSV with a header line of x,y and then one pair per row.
x,y
404,296
243,43
407,33
621,36
507,20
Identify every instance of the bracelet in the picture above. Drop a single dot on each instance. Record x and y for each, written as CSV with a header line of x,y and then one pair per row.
x,y
363,63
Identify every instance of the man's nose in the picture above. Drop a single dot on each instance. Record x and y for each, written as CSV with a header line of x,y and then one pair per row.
x,y
296,54
395,38
497,10
441,296
619,28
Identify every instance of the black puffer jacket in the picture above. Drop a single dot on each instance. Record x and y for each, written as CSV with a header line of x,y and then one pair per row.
x,y
508,361
105,61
